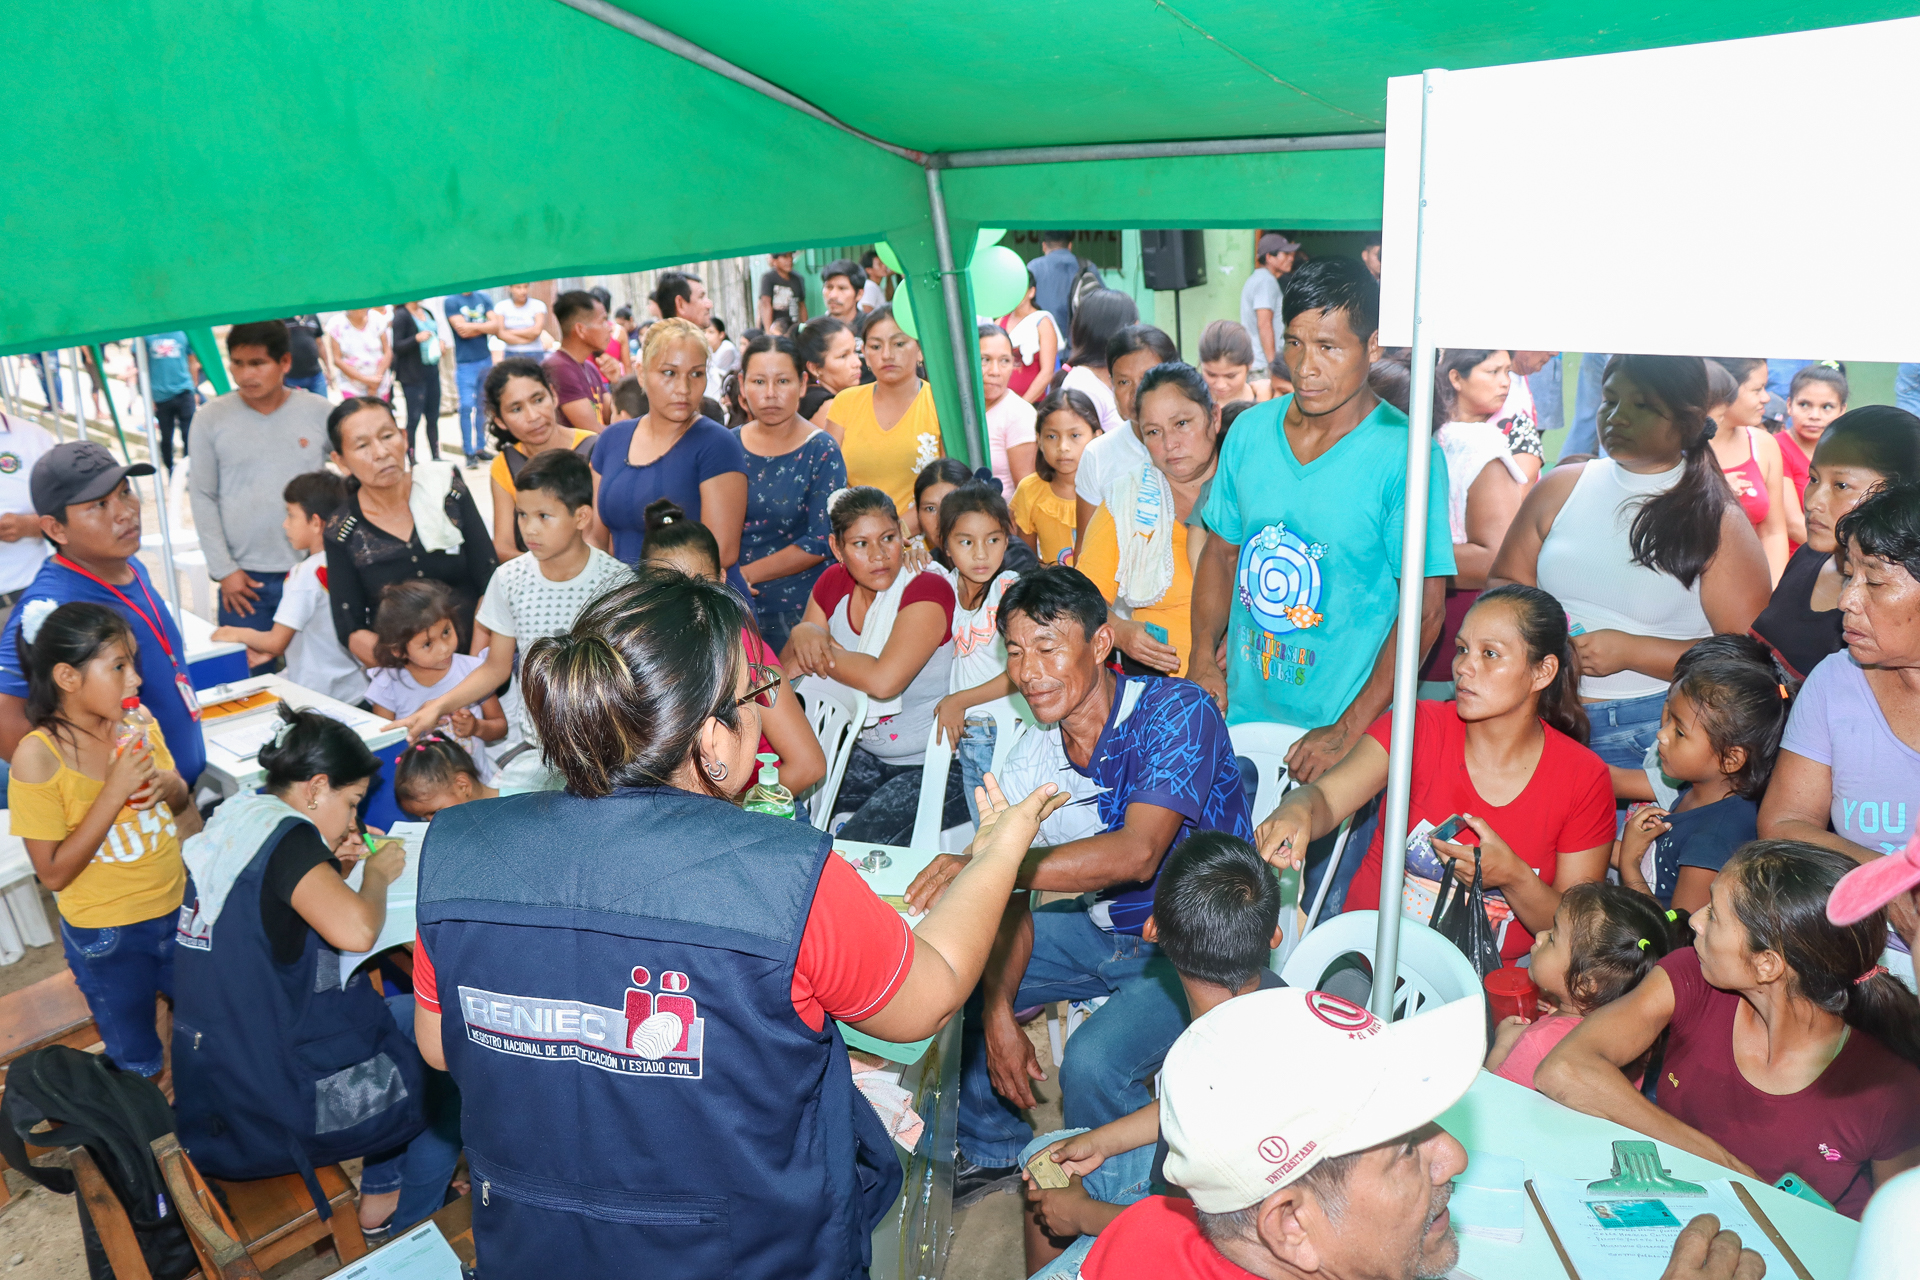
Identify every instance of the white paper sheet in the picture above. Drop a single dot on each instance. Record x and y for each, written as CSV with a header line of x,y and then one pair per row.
x,y
421,1254
402,895
1642,1253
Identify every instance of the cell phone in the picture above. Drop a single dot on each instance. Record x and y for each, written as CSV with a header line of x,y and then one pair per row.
x,y
1794,1185
1155,630
1451,829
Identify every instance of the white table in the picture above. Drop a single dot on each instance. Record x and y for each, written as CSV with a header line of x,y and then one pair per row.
x,y
209,662
234,742
1503,1118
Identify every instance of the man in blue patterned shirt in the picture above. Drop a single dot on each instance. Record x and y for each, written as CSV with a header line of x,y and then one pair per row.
x,y
1148,762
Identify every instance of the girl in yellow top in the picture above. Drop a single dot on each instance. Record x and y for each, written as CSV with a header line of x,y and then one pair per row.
x,y
1043,505
95,803
525,417
887,429
1149,571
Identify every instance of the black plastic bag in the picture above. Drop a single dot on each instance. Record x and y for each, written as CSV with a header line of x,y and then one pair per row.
x,y
1460,916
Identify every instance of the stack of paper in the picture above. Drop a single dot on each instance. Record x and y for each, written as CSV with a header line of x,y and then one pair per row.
x,y
1490,1198
1631,1238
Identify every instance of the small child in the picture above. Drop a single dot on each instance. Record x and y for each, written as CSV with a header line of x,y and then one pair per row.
x,y
531,597
678,541
975,529
1604,940
95,799
930,488
418,647
1817,395
1719,734
437,773
1216,916
1043,505
303,624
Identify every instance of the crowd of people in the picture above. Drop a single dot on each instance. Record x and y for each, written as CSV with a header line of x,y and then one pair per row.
x,y
1667,699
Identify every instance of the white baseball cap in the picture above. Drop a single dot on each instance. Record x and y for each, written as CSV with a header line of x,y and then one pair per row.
x,y
1267,1085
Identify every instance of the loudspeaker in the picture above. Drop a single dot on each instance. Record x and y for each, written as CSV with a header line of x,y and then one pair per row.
x,y
1173,259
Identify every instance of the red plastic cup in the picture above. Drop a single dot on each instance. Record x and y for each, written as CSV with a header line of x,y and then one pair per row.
x,y
1511,994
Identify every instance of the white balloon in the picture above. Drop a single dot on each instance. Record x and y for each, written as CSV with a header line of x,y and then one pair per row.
x,y
658,1035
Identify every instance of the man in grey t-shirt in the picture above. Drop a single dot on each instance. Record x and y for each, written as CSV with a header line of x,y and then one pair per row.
x,y
246,445
1260,299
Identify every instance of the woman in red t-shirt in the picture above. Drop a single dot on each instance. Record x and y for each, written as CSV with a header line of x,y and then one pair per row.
x,y
1763,1070
1506,755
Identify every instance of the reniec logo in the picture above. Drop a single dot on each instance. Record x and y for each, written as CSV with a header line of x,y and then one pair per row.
x,y
653,1033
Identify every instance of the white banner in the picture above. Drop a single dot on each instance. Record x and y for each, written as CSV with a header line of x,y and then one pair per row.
x,y
1750,197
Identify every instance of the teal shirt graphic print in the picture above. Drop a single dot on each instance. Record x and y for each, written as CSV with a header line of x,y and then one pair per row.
x,y
1314,591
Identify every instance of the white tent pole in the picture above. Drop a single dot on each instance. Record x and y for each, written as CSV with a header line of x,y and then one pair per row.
x,y
958,322
159,480
79,395
1413,559
6,386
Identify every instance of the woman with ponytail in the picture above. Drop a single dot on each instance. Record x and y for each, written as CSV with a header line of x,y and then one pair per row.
x,y
1506,756
1789,1050
1646,548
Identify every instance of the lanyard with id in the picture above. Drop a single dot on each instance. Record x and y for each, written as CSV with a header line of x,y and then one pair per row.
x,y
180,682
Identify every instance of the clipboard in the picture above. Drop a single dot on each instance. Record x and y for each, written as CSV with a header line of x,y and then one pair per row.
x,y
1747,1202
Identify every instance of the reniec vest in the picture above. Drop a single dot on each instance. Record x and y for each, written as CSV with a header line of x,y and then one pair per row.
x,y
279,1068
638,1095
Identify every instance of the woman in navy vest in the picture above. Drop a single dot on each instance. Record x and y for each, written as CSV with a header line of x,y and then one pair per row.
x,y
280,1066
636,984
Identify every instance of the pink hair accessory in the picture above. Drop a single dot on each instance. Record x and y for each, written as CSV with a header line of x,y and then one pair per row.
x,y
1870,974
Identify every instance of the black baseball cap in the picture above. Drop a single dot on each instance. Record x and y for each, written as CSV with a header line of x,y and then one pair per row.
x,y
78,471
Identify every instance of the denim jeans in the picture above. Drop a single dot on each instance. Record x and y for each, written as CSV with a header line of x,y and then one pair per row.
x,y
1906,387
1624,728
420,1170
423,406
175,411
469,377
315,382
976,757
777,624
261,619
1549,405
885,799
1123,1179
1110,1060
120,969
1583,435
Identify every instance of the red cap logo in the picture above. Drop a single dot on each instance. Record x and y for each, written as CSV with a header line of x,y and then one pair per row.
x,y
1273,1150
1342,1015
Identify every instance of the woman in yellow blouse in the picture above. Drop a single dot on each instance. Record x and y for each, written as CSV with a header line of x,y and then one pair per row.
x,y
1149,571
525,417
94,795
887,429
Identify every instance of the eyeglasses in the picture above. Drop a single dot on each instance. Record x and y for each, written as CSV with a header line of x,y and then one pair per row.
x,y
763,686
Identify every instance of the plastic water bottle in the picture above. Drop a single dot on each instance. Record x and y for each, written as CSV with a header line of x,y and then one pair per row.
x,y
132,728
767,795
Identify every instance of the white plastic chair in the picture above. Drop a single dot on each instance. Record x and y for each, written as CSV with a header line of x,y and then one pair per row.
x,y
836,714
1432,970
1266,745
1009,725
23,918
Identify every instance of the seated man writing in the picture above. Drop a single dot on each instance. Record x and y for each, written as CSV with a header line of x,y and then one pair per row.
x,y
1147,762
1342,1172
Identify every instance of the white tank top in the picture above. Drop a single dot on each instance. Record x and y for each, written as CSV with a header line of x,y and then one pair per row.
x,y
1586,563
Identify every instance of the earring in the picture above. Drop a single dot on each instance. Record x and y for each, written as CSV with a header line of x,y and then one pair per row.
x,y
717,771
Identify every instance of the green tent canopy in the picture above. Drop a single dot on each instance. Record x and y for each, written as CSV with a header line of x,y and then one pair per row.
x,y
183,164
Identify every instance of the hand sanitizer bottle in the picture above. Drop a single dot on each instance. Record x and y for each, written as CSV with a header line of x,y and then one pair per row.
x,y
767,795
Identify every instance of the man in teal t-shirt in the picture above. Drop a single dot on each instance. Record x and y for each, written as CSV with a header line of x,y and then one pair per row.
x,y
1306,515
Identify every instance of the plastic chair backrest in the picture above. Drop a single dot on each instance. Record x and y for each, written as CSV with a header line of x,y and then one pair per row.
x,y
933,791
836,722
1432,970
1266,745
